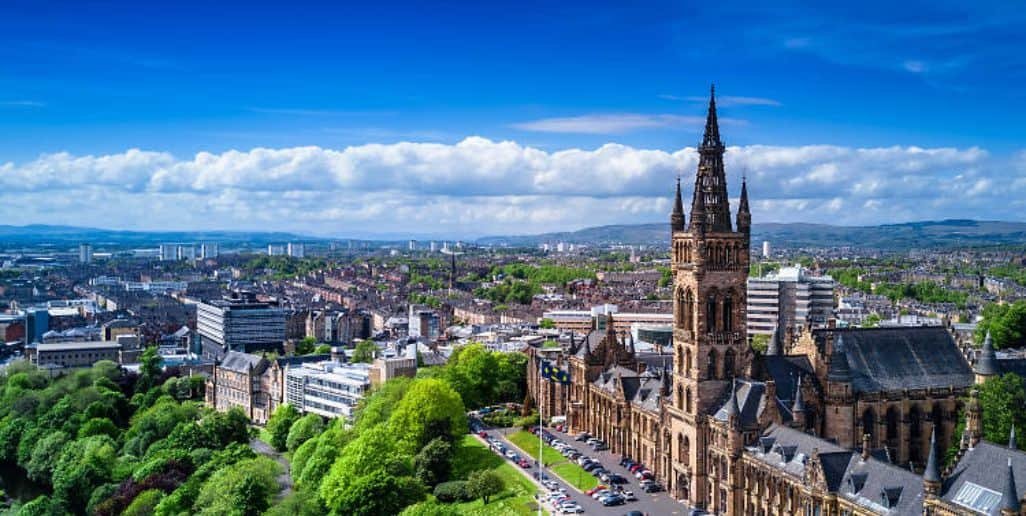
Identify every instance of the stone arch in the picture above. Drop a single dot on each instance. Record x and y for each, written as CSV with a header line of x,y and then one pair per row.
x,y
689,310
680,397
687,362
687,399
893,432
728,364
728,312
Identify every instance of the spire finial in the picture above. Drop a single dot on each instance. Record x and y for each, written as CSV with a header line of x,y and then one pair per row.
x,y
1009,495
932,472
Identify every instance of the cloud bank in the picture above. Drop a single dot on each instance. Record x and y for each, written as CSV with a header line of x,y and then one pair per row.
x,y
479,186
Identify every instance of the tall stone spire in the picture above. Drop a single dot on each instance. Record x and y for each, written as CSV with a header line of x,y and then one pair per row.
x,y
710,202
677,216
744,217
986,361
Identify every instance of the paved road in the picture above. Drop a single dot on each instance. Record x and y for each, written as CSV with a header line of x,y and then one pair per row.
x,y
285,478
658,504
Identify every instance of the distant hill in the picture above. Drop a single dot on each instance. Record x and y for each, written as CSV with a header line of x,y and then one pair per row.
x,y
926,234
65,235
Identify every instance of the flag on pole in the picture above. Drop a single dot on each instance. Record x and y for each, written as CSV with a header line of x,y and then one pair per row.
x,y
555,374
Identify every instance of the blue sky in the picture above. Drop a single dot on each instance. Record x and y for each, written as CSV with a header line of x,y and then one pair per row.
x,y
97,81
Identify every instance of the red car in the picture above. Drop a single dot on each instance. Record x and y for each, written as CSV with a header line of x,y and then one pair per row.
x,y
596,489
524,463
482,433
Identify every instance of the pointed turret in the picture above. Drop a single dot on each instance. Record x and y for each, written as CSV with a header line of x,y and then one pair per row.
x,y
744,217
1009,496
710,206
1011,439
932,473
677,216
799,404
986,361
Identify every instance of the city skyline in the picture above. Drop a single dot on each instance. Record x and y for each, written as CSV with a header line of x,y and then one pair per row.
x,y
532,121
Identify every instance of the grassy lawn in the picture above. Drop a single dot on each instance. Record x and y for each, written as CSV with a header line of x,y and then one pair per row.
x,y
575,475
567,470
518,498
528,442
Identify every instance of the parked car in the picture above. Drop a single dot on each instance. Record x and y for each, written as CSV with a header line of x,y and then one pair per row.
x,y
634,513
601,493
599,471
629,496
596,489
613,499
583,436
600,446
524,463
617,479
592,466
652,488
570,508
583,459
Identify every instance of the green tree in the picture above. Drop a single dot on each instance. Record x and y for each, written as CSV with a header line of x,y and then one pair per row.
x,y
1002,399
44,456
144,503
99,426
377,406
306,346
377,493
760,342
365,351
279,424
83,465
245,488
1006,324
484,484
430,409
322,349
433,462
302,430
301,502
149,369
547,324
374,449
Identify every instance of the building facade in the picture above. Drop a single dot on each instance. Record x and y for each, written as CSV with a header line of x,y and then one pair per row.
x,y
791,298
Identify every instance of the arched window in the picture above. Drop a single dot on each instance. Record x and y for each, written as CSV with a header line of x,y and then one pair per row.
x,y
680,397
687,400
688,317
893,418
710,314
710,365
728,313
685,450
687,362
681,353
869,424
728,364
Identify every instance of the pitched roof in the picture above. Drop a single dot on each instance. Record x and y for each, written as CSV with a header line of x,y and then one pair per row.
x,y
888,359
241,362
882,487
979,478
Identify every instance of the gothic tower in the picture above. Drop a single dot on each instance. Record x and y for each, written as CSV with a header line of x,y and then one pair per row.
x,y
709,260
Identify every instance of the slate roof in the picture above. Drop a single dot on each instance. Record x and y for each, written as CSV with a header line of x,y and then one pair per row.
x,y
882,487
784,370
241,362
751,401
866,482
640,390
985,466
889,359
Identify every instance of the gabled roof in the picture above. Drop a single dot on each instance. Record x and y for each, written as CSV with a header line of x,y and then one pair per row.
x,y
242,362
885,488
889,359
751,400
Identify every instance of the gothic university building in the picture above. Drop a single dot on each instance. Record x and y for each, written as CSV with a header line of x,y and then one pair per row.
x,y
830,422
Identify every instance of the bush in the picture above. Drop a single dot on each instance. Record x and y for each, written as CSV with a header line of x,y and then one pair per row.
x,y
304,429
455,491
144,503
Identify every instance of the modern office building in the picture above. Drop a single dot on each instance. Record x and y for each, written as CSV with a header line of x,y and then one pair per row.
x,y
85,254
424,322
765,249
275,250
328,389
789,298
239,323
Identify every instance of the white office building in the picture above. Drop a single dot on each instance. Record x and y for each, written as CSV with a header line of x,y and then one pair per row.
x,y
296,250
789,298
328,389
85,254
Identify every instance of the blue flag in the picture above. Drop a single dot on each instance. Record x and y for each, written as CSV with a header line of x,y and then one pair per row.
x,y
553,373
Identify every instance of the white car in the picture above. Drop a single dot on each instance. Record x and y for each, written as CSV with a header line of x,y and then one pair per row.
x,y
629,496
570,508
510,454
599,494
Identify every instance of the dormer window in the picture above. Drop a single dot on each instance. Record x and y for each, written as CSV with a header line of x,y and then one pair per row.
x,y
856,481
889,497
766,444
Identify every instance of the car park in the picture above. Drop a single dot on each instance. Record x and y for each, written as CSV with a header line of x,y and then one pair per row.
x,y
629,496
596,489
601,493
583,436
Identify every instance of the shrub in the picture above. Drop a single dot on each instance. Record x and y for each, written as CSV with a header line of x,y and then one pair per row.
x,y
455,491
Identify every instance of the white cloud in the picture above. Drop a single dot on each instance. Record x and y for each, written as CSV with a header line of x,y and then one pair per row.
x,y
479,186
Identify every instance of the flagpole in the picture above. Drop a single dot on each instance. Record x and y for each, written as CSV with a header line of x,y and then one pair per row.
x,y
541,456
